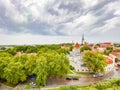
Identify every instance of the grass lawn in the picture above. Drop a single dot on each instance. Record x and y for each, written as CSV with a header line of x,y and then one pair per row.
x,y
84,73
71,72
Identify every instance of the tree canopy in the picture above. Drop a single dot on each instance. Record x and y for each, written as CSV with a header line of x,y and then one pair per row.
x,y
37,49
108,50
85,48
94,61
49,62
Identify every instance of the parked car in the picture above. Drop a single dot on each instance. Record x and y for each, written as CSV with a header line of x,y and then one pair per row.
x,y
95,75
33,84
117,69
118,64
68,78
98,75
75,78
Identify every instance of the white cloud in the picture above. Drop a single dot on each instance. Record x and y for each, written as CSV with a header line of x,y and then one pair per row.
x,y
12,12
115,6
109,25
21,39
3,31
87,20
63,17
112,8
90,3
79,25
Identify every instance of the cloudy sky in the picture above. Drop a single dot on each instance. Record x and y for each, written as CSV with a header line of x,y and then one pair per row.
x,y
57,21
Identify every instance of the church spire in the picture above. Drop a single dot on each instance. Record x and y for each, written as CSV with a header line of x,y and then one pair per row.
x,y
83,40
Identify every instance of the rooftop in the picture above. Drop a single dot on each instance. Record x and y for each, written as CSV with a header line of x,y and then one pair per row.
x,y
77,45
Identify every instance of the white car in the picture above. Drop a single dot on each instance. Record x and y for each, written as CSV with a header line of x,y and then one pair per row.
x,y
95,75
98,75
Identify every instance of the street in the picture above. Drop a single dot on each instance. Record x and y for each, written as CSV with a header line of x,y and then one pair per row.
x,y
84,80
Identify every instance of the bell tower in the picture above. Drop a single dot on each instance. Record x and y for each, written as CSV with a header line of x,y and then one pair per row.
x,y
83,40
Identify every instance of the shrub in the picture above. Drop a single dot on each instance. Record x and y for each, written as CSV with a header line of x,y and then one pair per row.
x,y
101,86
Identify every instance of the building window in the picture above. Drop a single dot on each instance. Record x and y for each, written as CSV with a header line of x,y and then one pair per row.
x,y
82,69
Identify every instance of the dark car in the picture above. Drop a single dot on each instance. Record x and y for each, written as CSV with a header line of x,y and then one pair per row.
x,y
68,78
75,78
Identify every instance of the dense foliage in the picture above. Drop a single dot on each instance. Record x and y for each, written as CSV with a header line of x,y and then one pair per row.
x,y
95,61
117,45
108,50
83,48
49,62
37,48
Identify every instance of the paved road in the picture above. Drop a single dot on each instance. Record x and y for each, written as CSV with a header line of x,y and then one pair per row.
x,y
84,80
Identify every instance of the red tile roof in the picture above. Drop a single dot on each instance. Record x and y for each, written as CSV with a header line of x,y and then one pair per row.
x,y
102,47
109,60
77,45
107,43
115,53
94,50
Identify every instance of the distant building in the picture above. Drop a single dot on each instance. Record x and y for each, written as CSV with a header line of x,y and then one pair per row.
x,y
106,44
31,54
76,48
21,53
95,50
18,54
64,46
101,49
116,48
115,56
110,63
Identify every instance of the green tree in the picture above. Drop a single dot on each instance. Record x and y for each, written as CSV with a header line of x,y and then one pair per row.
x,y
31,49
5,58
3,48
71,48
85,48
50,61
11,51
61,50
41,70
108,50
14,73
50,64
58,64
98,45
22,59
116,50
94,61
30,65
